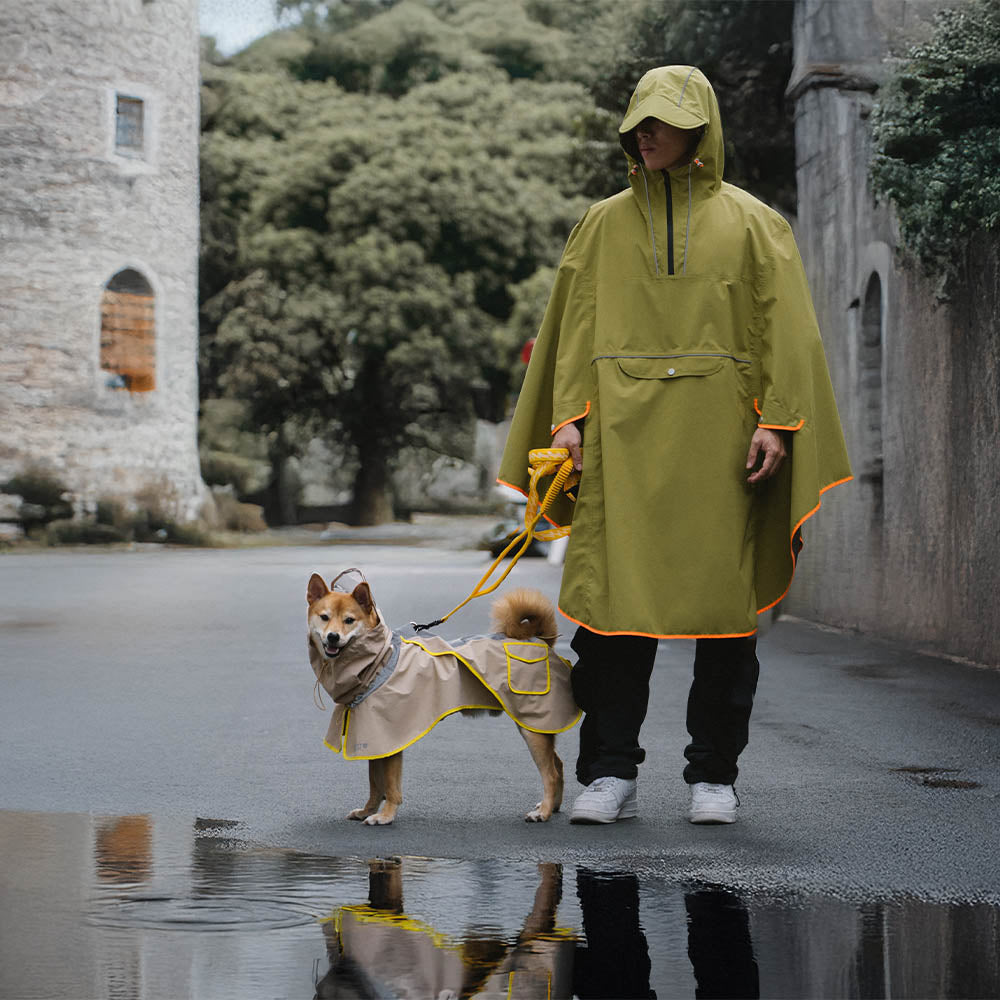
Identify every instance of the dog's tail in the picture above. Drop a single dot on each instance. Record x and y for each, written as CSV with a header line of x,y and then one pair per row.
x,y
526,614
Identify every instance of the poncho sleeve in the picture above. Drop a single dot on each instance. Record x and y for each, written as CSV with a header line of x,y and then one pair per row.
x,y
794,379
558,385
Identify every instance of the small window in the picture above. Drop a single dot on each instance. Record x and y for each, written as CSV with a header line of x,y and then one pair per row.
x,y
128,345
129,130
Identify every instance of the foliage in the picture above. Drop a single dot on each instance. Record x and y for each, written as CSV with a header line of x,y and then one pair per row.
x,y
40,486
69,531
116,522
231,451
936,132
232,515
389,46
530,298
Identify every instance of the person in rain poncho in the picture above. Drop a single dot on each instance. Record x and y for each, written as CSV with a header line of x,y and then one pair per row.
x,y
680,362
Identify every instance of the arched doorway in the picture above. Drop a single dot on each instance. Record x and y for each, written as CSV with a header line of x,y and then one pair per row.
x,y
870,374
128,333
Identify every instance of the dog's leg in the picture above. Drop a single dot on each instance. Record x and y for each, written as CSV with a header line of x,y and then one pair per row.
x,y
376,792
391,785
550,767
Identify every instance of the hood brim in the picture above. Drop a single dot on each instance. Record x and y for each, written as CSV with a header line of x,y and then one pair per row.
x,y
662,108
658,106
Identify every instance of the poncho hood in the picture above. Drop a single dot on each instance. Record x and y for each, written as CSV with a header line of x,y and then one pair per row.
x,y
683,97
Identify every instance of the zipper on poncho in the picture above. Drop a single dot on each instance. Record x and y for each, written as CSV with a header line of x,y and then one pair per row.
x,y
670,222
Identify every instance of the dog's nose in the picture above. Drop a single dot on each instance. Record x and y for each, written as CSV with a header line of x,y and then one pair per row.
x,y
333,639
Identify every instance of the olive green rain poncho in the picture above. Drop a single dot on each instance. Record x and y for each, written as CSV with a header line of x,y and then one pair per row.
x,y
679,321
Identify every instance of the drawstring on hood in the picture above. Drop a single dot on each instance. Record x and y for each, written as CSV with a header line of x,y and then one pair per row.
x,y
680,96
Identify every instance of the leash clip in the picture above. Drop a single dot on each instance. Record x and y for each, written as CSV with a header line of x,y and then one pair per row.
x,y
421,628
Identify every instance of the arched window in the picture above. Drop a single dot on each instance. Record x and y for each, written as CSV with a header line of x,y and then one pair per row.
x,y
128,334
870,362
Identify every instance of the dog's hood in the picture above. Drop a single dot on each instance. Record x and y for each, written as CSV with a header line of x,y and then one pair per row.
x,y
351,672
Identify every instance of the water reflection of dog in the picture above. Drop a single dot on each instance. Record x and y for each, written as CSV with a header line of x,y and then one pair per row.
x,y
377,950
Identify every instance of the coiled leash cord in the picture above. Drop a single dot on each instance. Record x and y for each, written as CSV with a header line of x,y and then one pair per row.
x,y
541,462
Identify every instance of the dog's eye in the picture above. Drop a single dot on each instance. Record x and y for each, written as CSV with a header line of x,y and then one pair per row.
x,y
349,620
324,618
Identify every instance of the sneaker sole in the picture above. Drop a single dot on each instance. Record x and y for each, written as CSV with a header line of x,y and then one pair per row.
x,y
628,811
713,817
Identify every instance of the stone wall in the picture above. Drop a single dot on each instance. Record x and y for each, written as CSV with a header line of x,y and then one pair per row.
x,y
76,209
909,549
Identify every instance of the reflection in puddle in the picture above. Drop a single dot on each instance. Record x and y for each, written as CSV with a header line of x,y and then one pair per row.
x,y
376,950
127,907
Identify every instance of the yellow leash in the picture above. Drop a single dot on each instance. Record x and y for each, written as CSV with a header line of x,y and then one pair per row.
x,y
542,462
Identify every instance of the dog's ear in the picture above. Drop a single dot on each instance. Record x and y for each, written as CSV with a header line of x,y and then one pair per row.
x,y
362,593
317,589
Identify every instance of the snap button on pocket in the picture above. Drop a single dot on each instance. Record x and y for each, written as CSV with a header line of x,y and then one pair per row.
x,y
670,371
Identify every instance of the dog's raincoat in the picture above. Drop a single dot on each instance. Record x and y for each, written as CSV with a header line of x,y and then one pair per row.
x,y
390,691
680,320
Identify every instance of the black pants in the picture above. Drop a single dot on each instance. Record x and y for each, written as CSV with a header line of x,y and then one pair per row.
x,y
611,685
613,960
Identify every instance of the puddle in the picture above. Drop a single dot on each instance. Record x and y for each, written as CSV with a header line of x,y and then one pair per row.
x,y
934,777
132,907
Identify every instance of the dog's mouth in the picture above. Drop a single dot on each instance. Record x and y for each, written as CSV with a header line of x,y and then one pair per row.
x,y
332,651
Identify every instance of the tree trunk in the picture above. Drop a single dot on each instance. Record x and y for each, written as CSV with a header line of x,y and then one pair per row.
x,y
372,495
280,499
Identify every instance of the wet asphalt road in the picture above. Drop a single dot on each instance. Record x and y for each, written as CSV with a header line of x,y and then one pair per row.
x,y
176,683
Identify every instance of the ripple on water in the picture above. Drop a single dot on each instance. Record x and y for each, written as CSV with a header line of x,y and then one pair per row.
x,y
232,913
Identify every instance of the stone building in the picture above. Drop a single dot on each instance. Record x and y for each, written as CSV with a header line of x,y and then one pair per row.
x,y
909,550
99,247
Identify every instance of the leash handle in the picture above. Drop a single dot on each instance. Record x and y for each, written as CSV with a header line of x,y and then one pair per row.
x,y
541,462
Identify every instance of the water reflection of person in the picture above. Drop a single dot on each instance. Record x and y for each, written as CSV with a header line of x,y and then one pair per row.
x,y
719,945
614,962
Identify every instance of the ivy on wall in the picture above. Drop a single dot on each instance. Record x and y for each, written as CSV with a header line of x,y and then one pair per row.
x,y
936,132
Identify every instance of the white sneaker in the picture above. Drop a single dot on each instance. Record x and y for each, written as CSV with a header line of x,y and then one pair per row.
x,y
605,800
713,803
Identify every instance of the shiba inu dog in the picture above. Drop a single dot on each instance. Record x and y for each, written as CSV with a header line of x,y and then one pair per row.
x,y
390,691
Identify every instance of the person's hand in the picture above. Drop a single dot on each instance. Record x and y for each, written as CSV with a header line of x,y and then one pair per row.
x,y
568,436
770,445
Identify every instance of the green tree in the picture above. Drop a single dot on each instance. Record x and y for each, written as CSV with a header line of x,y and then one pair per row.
x,y
360,250
936,133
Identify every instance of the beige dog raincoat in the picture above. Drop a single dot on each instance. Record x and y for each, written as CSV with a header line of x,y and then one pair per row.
x,y
389,691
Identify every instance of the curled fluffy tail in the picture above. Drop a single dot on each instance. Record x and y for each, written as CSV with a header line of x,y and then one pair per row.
x,y
526,614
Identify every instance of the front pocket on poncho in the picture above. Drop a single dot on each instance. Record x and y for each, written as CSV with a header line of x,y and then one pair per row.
x,y
528,667
669,368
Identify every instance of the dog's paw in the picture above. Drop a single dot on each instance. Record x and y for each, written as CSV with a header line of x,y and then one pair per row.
x,y
538,814
358,814
378,820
